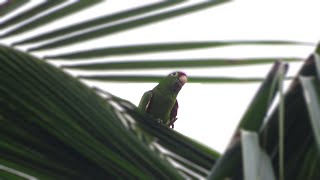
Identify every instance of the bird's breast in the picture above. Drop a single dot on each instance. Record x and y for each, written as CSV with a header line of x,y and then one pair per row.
x,y
161,107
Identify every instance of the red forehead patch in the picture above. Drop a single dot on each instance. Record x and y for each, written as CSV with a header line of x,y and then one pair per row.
x,y
181,73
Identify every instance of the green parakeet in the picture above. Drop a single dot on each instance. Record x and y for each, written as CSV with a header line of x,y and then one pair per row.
x,y
161,102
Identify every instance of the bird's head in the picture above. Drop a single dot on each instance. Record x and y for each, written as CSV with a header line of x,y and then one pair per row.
x,y
174,82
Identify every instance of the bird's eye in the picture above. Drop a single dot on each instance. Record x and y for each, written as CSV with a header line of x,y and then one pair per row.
x,y
174,74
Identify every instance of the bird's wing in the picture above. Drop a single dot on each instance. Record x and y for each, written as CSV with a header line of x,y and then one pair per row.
x,y
173,114
145,101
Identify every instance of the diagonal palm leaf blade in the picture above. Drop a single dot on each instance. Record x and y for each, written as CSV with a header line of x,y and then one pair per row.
x,y
9,6
128,25
161,47
256,163
98,21
152,78
30,12
310,164
175,63
311,91
264,97
8,173
317,63
57,14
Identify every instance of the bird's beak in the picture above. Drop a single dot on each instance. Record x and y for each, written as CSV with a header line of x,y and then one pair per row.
x,y
183,79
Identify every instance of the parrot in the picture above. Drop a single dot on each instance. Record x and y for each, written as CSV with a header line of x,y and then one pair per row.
x,y
161,102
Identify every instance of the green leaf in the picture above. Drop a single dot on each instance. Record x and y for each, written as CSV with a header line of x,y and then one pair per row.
x,y
252,121
281,124
151,78
317,50
256,163
98,21
317,63
128,25
259,106
52,16
310,165
30,13
187,153
9,6
161,47
175,63
86,135
298,135
225,166
311,92
8,173
197,157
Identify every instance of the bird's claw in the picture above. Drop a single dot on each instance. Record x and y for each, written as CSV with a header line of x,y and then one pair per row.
x,y
171,123
160,121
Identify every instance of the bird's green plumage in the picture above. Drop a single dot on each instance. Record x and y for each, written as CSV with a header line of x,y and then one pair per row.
x,y
160,101
145,100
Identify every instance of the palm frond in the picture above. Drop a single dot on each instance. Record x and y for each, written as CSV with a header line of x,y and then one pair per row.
x,y
175,63
134,78
296,119
252,121
10,6
61,128
127,25
48,4
164,47
103,20
49,17
297,146
256,163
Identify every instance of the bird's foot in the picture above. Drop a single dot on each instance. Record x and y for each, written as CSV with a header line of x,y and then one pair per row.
x,y
171,123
